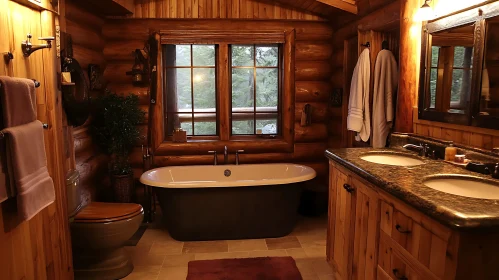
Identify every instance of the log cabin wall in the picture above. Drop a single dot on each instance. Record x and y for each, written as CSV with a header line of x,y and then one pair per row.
x,y
312,74
41,247
83,155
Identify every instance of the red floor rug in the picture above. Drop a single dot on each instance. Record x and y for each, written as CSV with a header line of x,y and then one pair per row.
x,y
273,268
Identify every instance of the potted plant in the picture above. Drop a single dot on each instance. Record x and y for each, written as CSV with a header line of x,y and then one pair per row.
x,y
114,126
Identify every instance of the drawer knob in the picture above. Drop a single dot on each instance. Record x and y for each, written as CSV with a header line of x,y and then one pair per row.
x,y
349,188
399,229
396,272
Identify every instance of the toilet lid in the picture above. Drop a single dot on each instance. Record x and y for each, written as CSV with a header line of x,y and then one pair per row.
x,y
100,212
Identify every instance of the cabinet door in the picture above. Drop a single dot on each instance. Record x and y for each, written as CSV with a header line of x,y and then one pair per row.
x,y
366,232
341,223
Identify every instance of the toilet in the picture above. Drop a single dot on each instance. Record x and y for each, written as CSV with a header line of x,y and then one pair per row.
x,y
98,232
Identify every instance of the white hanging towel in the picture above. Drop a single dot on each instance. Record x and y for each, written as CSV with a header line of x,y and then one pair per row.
x,y
385,84
359,119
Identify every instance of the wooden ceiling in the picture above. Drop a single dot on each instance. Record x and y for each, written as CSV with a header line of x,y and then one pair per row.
x,y
337,11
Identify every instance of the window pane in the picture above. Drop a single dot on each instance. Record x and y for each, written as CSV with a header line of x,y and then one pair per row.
x,y
463,57
242,125
184,98
267,125
461,81
204,88
267,56
187,126
267,87
434,55
242,87
242,56
205,128
183,57
203,55
433,86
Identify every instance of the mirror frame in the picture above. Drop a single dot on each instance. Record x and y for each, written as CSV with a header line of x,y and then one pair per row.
x,y
471,115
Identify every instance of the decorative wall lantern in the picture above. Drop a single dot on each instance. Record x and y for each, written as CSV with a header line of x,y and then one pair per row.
x,y
139,70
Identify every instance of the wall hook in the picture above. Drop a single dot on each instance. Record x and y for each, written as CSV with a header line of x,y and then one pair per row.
x,y
8,56
28,48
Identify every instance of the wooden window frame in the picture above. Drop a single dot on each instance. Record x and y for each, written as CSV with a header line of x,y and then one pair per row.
x,y
284,143
255,112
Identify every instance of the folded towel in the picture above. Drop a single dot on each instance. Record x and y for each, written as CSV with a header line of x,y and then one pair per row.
x,y
18,101
27,163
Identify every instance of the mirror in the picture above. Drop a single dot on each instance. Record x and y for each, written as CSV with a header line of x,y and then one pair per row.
x,y
459,76
448,72
489,97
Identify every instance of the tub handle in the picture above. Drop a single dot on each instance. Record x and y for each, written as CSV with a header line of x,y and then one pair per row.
x,y
215,161
349,188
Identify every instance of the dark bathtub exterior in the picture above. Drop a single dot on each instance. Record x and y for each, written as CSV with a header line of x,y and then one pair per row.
x,y
196,214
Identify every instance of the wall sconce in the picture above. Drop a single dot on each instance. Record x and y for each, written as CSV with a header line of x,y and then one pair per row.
x,y
425,13
29,48
139,69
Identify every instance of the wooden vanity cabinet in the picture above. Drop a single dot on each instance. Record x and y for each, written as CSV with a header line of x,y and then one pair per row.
x,y
353,226
372,235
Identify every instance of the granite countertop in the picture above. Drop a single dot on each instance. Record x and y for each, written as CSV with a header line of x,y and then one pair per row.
x,y
406,183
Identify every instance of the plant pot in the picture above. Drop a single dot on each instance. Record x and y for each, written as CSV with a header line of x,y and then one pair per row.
x,y
123,186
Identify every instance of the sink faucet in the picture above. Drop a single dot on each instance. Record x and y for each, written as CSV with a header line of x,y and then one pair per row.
x,y
423,150
215,162
226,155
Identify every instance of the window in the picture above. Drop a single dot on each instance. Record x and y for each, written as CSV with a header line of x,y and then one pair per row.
x,y
191,89
255,89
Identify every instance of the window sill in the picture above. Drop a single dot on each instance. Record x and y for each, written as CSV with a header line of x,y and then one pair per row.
x,y
200,147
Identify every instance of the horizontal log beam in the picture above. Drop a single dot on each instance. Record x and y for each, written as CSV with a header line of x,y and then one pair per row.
x,y
86,56
312,70
319,111
84,36
126,89
313,51
312,91
116,73
342,5
122,50
316,132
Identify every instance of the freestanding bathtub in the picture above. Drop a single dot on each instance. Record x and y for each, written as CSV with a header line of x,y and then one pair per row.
x,y
229,201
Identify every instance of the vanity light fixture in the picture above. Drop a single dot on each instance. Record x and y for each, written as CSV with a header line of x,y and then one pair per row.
x,y
425,13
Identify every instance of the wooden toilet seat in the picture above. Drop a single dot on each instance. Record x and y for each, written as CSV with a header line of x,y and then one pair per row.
x,y
101,212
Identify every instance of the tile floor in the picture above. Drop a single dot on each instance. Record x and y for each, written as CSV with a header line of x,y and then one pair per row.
x,y
157,256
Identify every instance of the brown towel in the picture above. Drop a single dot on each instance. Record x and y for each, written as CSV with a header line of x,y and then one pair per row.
x,y
18,100
27,163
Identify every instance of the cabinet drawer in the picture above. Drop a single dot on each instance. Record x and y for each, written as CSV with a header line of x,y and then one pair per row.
x,y
392,265
426,247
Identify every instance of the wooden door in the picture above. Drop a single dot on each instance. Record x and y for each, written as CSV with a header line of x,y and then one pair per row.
x,y
366,231
341,223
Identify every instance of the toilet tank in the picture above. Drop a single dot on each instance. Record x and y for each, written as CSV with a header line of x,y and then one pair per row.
x,y
73,192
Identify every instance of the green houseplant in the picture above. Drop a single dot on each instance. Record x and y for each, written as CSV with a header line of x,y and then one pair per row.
x,y
114,127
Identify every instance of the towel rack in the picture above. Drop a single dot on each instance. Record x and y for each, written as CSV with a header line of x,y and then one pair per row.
x,y
37,83
45,126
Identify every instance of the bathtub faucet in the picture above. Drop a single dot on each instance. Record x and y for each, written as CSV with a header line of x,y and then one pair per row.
x,y
226,155
215,162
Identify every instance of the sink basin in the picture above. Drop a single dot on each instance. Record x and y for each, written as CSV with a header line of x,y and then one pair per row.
x,y
392,159
465,186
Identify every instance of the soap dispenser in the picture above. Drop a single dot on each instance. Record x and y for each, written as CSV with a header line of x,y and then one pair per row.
x,y
450,153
